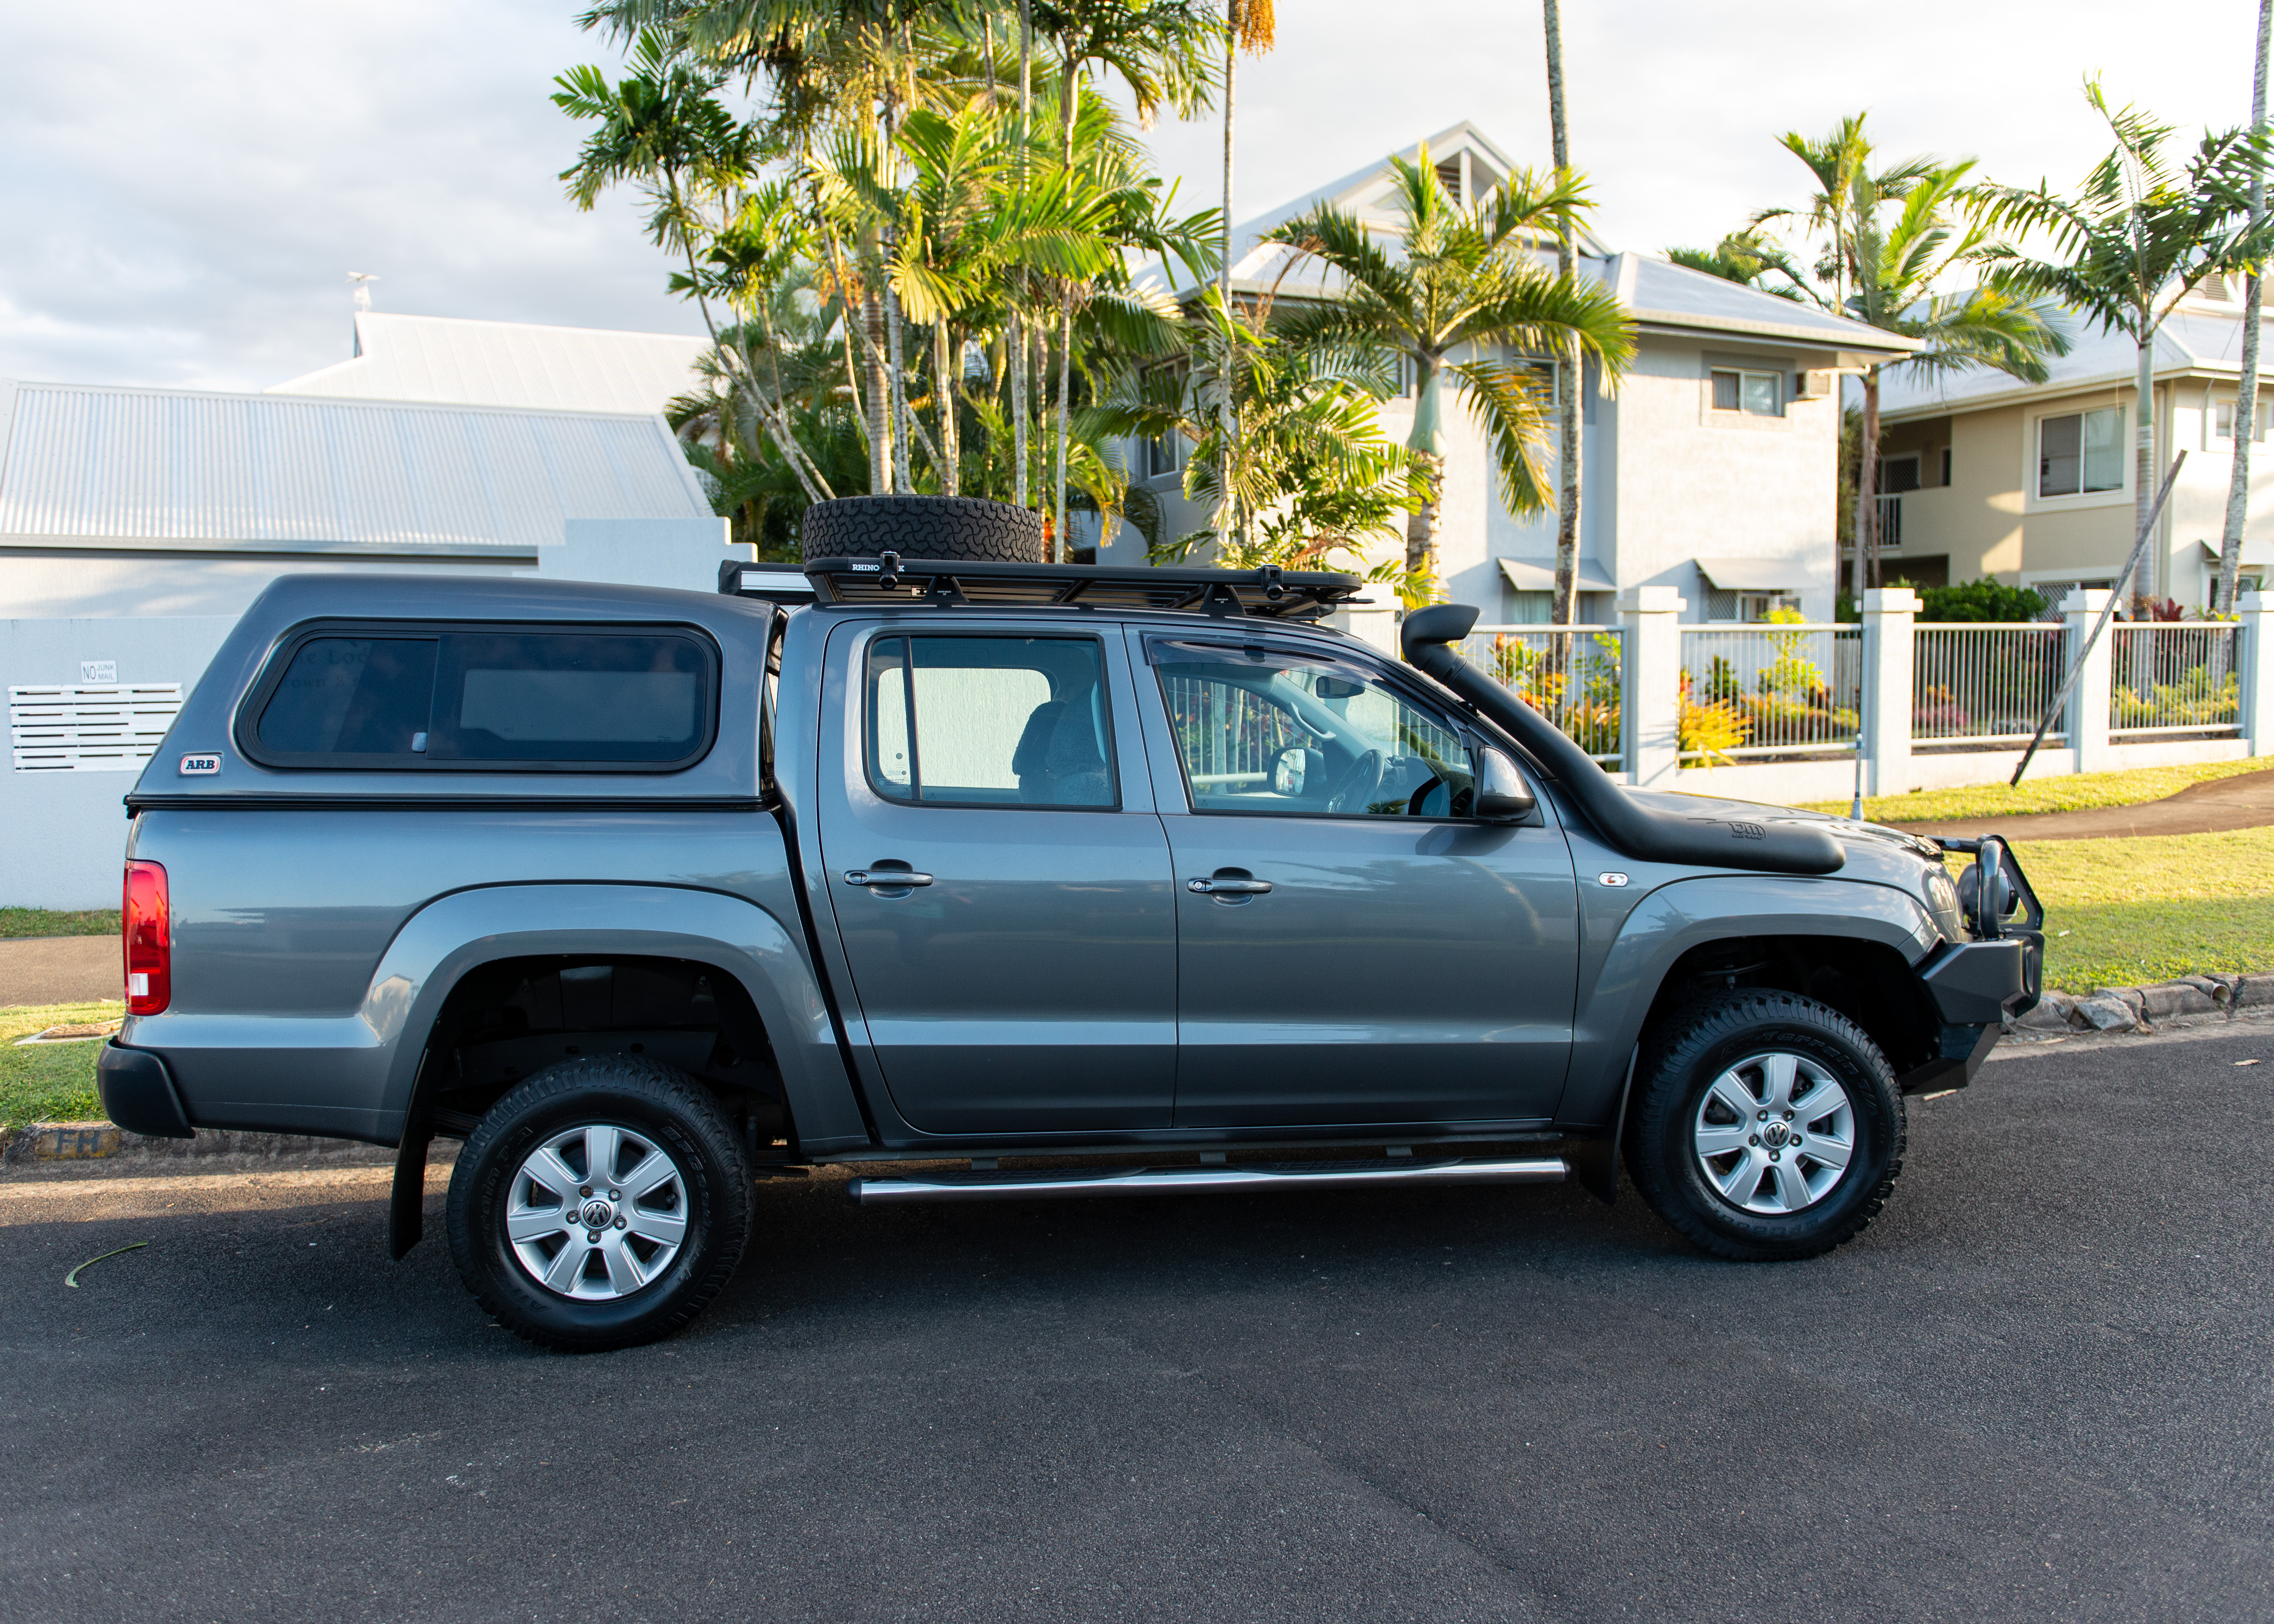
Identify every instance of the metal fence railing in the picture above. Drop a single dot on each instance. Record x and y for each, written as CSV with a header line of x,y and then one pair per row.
x,y
1986,686
1770,689
1574,675
2174,678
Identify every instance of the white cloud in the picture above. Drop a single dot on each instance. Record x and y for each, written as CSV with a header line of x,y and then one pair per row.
x,y
185,188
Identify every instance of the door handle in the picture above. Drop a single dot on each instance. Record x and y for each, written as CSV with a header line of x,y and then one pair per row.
x,y
886,879
1228,888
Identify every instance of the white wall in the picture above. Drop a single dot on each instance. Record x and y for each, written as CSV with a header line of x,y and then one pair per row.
x,y
65,833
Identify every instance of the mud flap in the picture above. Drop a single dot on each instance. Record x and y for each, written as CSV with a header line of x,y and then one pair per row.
x,y
406,1213
1595,1163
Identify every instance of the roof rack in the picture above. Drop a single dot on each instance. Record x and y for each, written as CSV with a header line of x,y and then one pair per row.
x,y
1270,593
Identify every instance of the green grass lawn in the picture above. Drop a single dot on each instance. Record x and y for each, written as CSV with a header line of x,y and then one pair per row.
x,y
2152,907
2076,792
55,923
50,1082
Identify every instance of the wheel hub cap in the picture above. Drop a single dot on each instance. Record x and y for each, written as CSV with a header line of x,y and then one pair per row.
x,y
1774,1133
597,1212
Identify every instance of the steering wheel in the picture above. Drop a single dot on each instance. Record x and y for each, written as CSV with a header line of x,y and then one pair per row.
x,y
1358,784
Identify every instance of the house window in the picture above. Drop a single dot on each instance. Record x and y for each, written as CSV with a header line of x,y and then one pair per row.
x,y
1898,474
1946,465
2080,451
1755,606
1449,172
1530,608
1545,377
1161,456
1760,393
2222,421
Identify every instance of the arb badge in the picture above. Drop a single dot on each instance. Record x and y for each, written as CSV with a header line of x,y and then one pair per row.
x,y
193,765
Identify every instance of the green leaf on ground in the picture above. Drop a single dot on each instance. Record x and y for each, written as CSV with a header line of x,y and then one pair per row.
x,y
2077,792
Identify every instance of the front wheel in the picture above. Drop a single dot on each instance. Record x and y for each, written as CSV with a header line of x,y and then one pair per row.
x,y
601,1203
1764,1126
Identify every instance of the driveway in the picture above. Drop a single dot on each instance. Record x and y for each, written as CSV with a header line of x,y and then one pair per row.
x,y
2244,801
2039,1386
60,970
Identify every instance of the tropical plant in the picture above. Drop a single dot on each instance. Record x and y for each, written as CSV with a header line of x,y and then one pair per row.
x,y
1465,283
1887,238
1748,257
2137,237
1308,463
2246,393
1705,733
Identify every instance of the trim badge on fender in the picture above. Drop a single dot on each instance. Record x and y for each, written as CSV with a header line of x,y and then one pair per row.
x,y
194,765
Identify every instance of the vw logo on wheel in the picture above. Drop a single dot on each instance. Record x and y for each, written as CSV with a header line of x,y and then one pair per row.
x,y
598,1214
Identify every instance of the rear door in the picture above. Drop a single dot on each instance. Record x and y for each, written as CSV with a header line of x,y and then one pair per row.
x,y
1001,882
1353,948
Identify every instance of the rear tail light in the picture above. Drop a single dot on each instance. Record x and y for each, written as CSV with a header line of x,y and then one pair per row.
x,y
149,940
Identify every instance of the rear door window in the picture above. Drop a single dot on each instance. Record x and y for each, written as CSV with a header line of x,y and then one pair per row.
x,y
989,721
509,698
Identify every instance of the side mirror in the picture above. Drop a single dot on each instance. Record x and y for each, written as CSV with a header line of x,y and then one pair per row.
x,y
1295,769
1502,796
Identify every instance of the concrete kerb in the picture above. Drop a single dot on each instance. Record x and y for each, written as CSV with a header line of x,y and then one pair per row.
x,y
2189,1001
59,1145
100,1147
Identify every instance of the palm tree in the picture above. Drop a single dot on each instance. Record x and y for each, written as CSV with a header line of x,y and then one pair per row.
x,y
1746,258
1883,273
1894,270
1157,49
1468,284
2245,398
1567,521
2137,237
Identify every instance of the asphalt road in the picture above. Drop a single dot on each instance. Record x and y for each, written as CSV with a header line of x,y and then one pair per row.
x,y
2042,1386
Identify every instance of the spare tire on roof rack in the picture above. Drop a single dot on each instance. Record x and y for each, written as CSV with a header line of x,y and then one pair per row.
x,y
960,529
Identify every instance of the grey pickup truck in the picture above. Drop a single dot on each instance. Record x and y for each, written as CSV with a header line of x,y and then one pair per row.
x,y
995,880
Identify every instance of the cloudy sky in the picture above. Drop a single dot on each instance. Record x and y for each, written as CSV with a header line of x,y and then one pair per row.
x,y
185,188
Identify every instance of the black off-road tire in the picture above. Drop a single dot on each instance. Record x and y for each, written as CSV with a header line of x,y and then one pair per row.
x,y
958,529
1683,1059
659,1105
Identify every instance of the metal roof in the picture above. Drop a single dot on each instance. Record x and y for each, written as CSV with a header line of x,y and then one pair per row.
x,y
2202,338
180,467
1657,293
447,360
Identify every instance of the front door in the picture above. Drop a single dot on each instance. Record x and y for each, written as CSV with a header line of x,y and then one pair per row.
x,y
1001,882
1353,948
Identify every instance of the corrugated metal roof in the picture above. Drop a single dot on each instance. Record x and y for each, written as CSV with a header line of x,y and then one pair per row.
x,y
2193,340
176,465
447,360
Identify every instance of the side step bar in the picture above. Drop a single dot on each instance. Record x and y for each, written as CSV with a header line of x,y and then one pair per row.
x,y
1048,1185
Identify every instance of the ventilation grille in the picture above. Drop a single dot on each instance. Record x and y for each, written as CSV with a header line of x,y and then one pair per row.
x,y
110,727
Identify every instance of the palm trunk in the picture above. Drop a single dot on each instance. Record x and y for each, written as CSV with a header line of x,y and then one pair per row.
x,y
946,388
1567,518
1231,70
1018,334
879,397
901,479
1227,513
1064,546
1867,490
2245,398
2144,464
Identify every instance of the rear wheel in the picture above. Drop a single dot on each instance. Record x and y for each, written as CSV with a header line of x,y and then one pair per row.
x,y
603,1202
1764,1126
